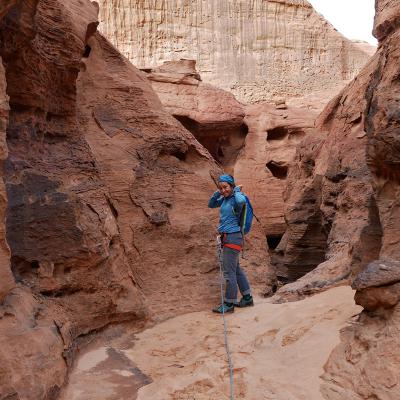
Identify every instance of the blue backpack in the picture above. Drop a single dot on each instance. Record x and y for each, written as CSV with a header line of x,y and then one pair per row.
x,y
246,216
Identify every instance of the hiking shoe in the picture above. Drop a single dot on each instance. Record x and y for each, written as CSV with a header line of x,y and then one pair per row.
x,y
245,303
224,308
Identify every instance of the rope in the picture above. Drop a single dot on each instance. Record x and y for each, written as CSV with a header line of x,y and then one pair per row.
x,y
228,353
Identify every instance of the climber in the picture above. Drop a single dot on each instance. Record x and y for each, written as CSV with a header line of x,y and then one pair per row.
x,y
231,202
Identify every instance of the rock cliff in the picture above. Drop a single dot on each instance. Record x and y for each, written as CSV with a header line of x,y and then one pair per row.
x,y
255,49
344,175
212,115
256,143
6,278
343,204
103,192
100,180
369,351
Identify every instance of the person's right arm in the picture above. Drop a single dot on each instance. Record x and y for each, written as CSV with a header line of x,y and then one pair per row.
x,y
215,200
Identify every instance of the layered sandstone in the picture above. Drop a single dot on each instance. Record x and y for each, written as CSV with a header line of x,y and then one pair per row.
x,y
343,203
369,351
6,278
257,50
217,120
106,196
257,144
330,186
275,130
349,175
212,115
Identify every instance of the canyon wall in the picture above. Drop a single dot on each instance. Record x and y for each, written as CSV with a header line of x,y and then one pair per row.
x,y
220,123
106,215
369,352
256,143
275,130
338,196
342,206
6,278
255,49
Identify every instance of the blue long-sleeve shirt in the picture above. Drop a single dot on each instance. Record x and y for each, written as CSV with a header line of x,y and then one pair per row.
x,y
231,207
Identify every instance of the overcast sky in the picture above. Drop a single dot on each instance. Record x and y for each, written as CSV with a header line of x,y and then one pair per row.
x,y
353,18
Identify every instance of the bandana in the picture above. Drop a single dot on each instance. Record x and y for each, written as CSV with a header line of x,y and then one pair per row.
x,y
227,179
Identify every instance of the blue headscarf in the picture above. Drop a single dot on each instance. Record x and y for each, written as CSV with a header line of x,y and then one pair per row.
x,y
227,179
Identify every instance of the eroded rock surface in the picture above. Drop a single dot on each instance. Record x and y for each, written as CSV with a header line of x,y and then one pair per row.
x,y
369,351
331,205
6,278
274,132
212,115
256,143
346,185
98,178
257,50
366,363
159,178
343,202
184,357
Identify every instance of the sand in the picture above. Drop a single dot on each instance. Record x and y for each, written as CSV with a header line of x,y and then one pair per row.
x,y
278,352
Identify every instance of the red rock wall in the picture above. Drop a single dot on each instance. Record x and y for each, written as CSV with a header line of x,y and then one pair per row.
x,y
213,115
6,278
106,194
343,201
159,180
339,185
386,18
217,120
331,211
369,351
255,143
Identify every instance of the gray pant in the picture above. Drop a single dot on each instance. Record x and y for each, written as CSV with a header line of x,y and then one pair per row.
x,y
233,275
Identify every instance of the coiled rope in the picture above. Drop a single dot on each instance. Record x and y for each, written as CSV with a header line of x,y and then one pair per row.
x,y
228,353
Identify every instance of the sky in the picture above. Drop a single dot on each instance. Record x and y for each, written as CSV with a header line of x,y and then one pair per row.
x,y
353,18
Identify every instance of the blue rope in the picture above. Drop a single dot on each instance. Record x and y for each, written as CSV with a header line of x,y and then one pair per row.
x,y
228,353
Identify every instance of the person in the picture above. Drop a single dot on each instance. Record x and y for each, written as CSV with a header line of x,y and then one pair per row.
x,y
231,202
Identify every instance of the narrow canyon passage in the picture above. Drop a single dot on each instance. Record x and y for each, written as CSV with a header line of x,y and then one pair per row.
x,y
278,352
108,269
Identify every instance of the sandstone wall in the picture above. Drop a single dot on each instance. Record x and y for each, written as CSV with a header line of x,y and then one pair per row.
x,y
369,351
6,278
98,178
215,119
257,144
275,130
330,204
159,178
254,49
343,202
212,115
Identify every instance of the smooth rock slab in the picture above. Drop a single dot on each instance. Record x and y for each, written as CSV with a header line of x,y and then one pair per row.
x,y
378,273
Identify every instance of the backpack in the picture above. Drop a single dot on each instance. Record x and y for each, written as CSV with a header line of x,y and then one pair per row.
x,y
246,216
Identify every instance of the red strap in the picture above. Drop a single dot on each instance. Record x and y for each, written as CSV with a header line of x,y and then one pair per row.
x,y
233,246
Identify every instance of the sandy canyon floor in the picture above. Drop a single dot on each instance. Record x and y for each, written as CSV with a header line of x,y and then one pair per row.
x,y
278,352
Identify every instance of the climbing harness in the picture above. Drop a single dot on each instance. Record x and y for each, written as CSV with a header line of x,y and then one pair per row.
x,y
228,354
